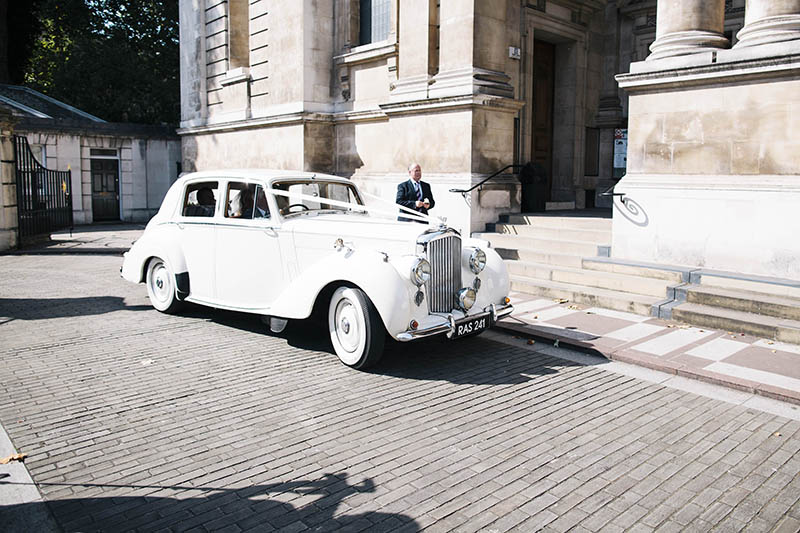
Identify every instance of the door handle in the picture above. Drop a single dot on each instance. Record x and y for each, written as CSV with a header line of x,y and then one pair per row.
x,y
180,226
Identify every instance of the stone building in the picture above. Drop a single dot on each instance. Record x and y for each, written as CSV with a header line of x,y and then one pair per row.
x,y
119,171
466,87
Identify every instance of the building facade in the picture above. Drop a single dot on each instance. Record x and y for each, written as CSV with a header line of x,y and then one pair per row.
x,y
361,88
119,171
713,177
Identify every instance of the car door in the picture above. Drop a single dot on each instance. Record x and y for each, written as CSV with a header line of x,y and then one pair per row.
x,y
249,270
197,229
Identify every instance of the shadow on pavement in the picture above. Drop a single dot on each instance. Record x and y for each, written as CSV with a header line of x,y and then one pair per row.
x,y
45,308
471,360
214,508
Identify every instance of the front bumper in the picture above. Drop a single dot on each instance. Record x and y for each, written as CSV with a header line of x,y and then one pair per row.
x,y
495,311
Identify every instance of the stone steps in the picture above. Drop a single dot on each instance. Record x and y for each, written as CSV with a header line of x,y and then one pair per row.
x,y
595,236
558,246
757,303
558,256
556,221
536,256
622,283
594,296
674,275
780,329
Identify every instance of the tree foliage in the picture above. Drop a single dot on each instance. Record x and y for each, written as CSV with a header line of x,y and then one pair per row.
x,y
117,59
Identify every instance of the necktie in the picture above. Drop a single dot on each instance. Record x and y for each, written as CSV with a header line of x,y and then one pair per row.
x,y
419,191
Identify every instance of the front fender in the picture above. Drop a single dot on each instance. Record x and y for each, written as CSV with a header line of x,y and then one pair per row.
x,y
391,292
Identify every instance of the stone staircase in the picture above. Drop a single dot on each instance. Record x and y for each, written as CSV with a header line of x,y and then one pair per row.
x,y
565,256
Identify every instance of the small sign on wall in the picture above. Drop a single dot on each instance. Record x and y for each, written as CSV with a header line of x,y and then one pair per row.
x,y
620,152
514,52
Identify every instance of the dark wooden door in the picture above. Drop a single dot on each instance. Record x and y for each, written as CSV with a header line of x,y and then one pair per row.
x,y
543,84
105,189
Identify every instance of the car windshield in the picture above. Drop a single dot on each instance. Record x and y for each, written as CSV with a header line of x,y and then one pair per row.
x,y
309,196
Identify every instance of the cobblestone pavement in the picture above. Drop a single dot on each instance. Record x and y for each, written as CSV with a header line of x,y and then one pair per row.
x,y
135,420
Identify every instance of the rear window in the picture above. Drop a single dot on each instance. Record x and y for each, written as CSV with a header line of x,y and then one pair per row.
x,y
200,199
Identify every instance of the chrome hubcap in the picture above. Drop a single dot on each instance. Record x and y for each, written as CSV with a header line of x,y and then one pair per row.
x,y
346,321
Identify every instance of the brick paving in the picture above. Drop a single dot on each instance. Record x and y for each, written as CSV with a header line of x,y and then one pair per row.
x,y
135,420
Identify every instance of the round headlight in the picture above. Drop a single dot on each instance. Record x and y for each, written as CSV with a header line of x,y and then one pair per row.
x,y
421,272
466,298
477,261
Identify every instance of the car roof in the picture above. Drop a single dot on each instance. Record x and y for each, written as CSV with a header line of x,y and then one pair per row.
x,y
268,175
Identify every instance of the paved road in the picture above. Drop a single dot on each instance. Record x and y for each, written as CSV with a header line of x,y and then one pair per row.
x,y
134,420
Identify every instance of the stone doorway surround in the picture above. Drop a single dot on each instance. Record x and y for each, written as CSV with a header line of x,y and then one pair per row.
x,y
569,108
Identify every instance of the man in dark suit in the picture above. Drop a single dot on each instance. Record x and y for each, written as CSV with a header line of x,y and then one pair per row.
x,y
414,193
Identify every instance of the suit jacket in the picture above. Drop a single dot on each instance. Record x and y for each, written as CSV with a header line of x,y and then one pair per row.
x,y
407,197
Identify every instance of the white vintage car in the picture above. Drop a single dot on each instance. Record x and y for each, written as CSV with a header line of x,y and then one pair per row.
x,y
286,244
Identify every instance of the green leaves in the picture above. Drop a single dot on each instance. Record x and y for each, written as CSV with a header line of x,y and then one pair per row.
x,y
117,59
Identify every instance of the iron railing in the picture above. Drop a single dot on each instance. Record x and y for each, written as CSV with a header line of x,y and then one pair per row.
x,y
44,196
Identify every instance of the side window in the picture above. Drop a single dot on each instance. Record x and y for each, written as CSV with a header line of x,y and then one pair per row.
x,y
200,199
246,201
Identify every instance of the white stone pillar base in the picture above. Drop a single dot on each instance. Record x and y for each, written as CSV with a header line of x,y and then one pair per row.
x,y
686,42
725,222
769,30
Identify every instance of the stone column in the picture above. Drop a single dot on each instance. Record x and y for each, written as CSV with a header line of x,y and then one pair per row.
x,y
687,27
769,21
473,44
8,184
192,18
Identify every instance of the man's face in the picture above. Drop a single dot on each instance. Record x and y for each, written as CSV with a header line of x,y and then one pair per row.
x,y
415,172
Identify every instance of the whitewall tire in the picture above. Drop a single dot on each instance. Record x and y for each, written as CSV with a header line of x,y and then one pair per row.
x,y
161,286
356,329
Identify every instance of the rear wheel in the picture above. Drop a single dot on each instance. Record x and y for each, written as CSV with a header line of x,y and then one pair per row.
x,y
356,329
161,286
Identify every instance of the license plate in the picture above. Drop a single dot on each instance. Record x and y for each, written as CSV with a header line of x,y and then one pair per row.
x,y
472,326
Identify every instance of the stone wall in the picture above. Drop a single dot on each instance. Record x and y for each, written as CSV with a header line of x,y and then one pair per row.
x,y
713,167
147,167
8,187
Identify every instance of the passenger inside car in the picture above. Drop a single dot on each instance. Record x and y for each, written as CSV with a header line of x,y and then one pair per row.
x,y
202,205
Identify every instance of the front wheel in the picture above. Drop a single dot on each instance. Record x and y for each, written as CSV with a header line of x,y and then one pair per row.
x,y
356,329
161,287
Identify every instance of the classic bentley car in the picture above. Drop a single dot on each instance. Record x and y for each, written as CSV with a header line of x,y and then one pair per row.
x,y
288,244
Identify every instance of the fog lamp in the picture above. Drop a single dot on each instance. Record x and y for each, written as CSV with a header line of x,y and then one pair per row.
x,y
466,298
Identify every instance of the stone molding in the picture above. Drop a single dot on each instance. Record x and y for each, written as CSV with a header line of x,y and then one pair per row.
x,y
686,42
507,105
366,53
278,120
774,61
386,111
769,30
787,183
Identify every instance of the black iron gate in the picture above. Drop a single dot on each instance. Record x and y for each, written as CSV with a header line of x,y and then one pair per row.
x,y
44,197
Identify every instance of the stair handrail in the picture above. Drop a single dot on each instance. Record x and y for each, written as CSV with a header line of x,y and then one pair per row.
x,y
464,192
608,192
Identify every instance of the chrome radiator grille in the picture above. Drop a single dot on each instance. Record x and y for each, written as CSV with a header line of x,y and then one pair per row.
x,y
444,255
